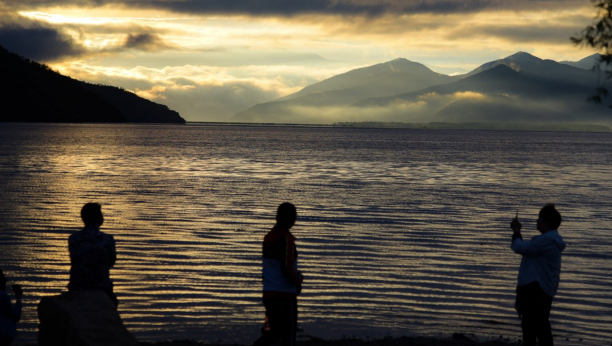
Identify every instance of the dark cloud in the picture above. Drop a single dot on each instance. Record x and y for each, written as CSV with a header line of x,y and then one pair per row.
x,y
267,7
44,42
38,43
145,42
524,34
297,7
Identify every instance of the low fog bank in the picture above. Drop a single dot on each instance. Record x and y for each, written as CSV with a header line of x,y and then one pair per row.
x,y
457,108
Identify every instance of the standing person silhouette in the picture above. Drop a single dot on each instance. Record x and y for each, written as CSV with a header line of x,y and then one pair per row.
x,y
92,254
9,314
539,275
282,281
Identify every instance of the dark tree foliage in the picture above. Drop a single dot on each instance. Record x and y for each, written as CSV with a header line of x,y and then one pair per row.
x,y
599,36
33,92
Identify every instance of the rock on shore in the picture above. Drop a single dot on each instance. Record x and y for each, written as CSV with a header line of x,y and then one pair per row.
x,y
85,319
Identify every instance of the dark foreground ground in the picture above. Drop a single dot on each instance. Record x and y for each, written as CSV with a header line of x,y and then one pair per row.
x,y
456,340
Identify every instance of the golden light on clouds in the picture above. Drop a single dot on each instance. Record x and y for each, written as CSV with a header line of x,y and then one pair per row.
x,y
391,36
468,95
71,19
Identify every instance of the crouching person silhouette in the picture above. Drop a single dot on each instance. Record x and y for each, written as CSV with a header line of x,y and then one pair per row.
x,y
9,314
538,277
282,282
92,254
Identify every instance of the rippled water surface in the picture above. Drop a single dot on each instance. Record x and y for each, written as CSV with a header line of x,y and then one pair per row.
x,y
400,232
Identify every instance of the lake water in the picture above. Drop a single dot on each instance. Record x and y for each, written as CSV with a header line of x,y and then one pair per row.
x,y
400,231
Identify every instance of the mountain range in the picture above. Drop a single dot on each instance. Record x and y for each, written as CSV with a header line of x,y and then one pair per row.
x,y
32,92
520,88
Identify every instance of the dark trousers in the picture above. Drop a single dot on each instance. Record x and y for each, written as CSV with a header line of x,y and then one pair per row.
x,y
533,306
282,316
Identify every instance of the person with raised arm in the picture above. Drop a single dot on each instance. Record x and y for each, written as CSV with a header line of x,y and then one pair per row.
x,y
539,275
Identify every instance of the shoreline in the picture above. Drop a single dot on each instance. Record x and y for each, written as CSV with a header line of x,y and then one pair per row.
x,y
457,339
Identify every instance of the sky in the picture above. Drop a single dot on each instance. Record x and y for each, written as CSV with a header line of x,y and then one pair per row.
x,y
209,59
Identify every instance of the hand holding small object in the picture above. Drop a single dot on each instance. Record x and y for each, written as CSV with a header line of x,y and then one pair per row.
x,y
515,224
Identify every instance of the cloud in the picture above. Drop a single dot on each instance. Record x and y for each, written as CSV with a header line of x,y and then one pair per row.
x,y
296,7
52,38
216,102
38,43
465,106
146,42
198,93
526,33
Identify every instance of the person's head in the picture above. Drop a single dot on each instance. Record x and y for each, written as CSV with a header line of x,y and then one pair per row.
x,y
549,219
91,213
2,281
286,216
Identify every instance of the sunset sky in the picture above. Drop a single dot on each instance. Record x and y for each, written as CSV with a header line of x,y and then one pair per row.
x,y
208,59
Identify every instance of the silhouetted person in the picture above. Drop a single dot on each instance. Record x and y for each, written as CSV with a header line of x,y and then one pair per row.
x,y
9,314
538,277
92,254
282,281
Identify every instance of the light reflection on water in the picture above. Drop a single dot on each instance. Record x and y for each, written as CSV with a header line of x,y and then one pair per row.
x,y
400,231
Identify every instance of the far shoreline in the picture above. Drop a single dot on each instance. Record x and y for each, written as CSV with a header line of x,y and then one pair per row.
x,y
520,127
542,127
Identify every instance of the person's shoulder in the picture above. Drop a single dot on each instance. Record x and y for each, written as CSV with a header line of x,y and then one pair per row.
x,y
107,237
551,235
271,236
276,235
550,240
290,238
75,235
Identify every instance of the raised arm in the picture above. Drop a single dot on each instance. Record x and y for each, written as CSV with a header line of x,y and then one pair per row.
x,y
535,247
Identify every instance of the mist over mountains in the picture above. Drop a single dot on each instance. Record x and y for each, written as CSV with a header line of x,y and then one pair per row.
x,y
520,88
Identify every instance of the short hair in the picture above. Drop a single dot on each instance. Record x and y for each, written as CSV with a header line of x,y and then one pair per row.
x,y
286,214
551,216
91,213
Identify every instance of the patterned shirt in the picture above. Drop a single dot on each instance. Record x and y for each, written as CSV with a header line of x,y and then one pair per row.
x,y
92,255
281,277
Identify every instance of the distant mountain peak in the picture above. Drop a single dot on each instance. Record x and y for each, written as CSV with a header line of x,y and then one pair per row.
x,y
527,63
522,56
587,63
502,71
403,64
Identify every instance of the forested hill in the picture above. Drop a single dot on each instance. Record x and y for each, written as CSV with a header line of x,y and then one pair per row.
x,y
32,92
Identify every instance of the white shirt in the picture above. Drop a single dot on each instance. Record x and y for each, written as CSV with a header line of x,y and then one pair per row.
x,y
541,260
